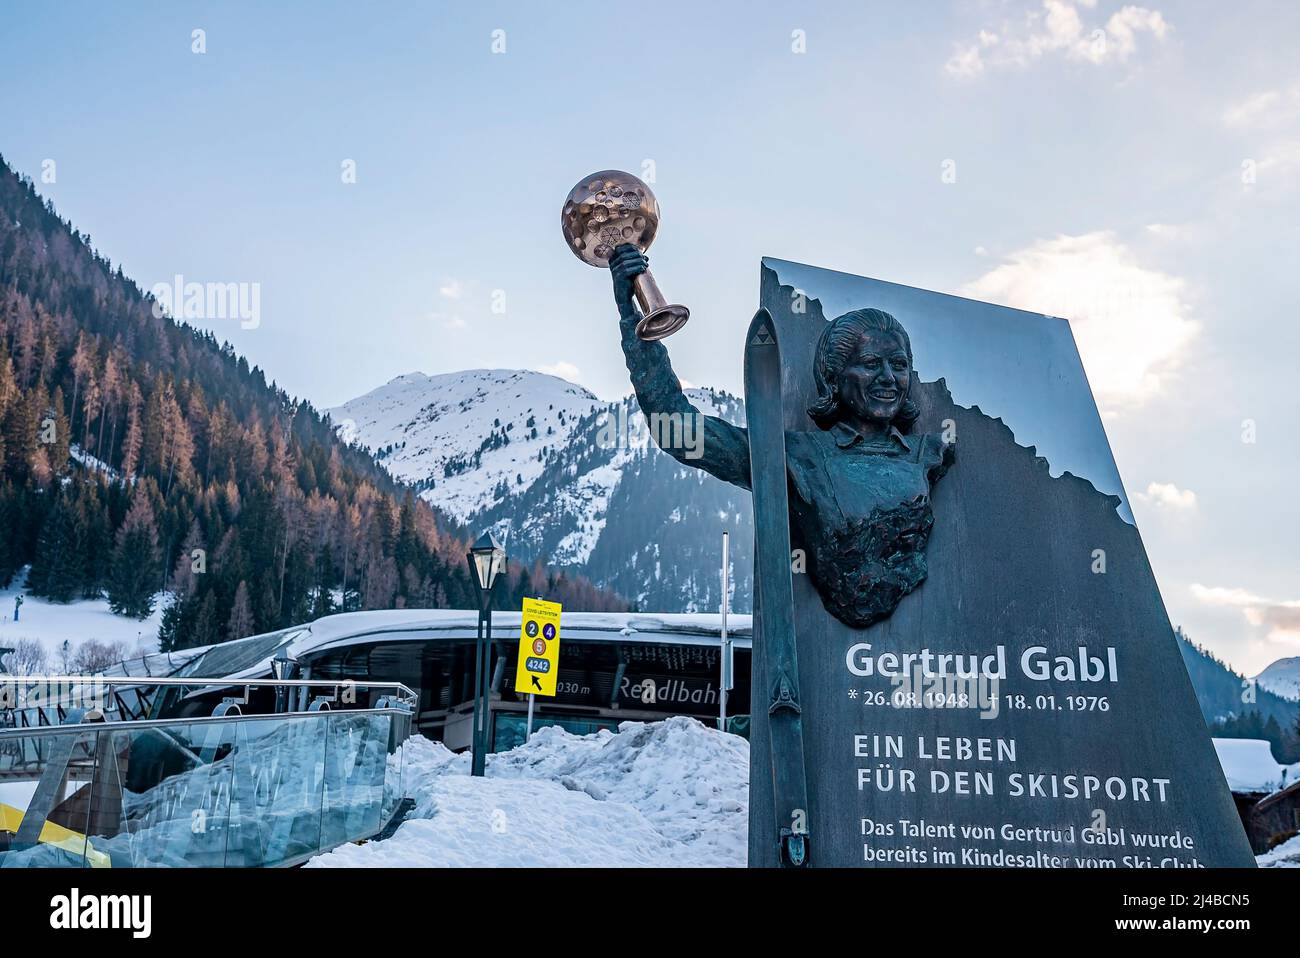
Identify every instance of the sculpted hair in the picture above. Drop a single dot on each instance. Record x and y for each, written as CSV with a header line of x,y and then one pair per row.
x,y
834,350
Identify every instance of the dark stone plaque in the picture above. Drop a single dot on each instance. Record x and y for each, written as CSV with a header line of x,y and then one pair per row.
x,y
967,661
1023,702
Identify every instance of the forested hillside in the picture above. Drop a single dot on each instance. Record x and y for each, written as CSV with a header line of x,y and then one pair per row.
x,y
1237,707
139,454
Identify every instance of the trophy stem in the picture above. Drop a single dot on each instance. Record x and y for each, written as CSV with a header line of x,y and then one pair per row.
x,y
658,317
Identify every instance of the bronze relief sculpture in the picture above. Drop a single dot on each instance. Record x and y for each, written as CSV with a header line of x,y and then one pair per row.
x,y
859,482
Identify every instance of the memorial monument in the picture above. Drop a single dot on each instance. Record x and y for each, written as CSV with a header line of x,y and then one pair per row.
x,y
961,657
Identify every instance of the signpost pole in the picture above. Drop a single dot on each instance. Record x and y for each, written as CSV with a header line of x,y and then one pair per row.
x,y
725,665
477,758
529,733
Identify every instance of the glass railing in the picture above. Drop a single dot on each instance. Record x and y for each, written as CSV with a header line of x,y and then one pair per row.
x,y
228,791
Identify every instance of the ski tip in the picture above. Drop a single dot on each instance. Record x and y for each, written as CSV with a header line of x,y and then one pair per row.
x,y
762,331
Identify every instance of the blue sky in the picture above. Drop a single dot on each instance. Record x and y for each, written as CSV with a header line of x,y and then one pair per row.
x,y
1134,169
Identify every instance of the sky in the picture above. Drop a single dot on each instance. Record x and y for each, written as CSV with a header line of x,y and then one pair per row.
x,y
388,179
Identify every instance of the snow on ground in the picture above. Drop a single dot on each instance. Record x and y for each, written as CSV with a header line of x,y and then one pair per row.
x,y
665,794
1286,855
51,623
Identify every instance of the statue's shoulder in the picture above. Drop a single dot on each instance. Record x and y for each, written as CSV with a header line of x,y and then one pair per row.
x,y
936,453
808,444
805,453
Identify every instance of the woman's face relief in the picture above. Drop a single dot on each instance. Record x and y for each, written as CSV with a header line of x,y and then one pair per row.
x,y
874,384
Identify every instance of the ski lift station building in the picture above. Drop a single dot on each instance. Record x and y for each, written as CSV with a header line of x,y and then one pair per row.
x,y
614,667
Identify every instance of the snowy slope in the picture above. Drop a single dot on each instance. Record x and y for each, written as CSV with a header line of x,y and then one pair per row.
x,y
580,489
51,623
468,432
1282,678
664,794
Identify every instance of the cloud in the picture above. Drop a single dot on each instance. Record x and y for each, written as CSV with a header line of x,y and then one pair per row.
x,y
448,320
452,289
562,369
1279,157
1265,109
1130,322
1269,118
1056,30
1166,495
1280,617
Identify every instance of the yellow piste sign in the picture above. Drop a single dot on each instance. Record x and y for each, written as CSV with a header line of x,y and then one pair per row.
x,y
539,648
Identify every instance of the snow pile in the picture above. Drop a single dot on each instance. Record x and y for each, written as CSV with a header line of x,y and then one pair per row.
x,y
1249,766
1286,855
665,794
689,781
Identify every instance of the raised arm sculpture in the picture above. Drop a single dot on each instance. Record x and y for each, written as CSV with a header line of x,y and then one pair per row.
x,y
860,479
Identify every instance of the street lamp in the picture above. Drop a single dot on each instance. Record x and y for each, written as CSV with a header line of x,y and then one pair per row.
x,y
486,560
283,666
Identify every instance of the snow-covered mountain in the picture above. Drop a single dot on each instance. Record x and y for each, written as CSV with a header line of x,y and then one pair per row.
x,y
577,481
460,436
1282,678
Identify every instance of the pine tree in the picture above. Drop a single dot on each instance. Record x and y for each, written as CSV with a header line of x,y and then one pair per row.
x,y
81,364
177,620
184,580
97,541
205,630
25,353
10,542
135,569
55,434
153,450
8,394
241,614
133,441
178,452
20,429
112,386
266,616
56,571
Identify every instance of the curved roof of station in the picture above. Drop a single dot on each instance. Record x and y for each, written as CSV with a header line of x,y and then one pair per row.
x,y
251,657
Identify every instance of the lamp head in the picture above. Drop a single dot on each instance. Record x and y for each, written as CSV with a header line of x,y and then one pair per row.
x,y
283,665
487,559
